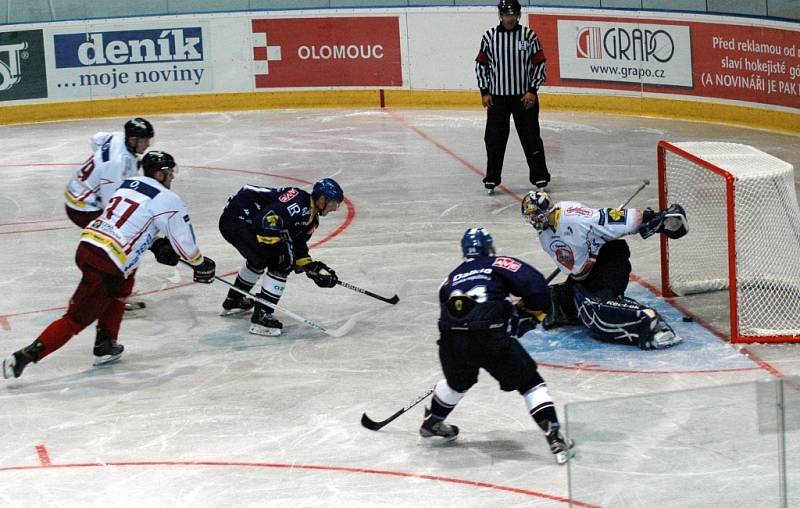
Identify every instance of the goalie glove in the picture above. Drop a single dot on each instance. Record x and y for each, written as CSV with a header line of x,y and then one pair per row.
x,y
164,252
322,275
671,222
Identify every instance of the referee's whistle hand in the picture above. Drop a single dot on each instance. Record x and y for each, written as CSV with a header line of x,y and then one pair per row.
x,y
487,100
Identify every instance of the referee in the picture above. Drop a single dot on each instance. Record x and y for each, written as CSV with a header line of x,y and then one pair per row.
x,y
510,67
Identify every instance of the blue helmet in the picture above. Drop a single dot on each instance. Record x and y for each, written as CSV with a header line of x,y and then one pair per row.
x,y
477,242
329,188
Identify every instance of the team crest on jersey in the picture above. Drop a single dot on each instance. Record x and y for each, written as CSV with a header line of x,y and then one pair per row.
x,y
563,254
288,195
512,265
272,220
616,215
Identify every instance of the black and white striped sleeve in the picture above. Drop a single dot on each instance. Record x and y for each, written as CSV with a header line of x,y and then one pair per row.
x,y
483,63
537,66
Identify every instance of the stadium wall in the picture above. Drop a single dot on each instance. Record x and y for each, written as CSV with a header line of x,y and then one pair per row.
x,y
725,69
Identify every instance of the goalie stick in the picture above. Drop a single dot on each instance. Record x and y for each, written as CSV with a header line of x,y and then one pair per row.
x,y
393,300
371,424
641,186
338,332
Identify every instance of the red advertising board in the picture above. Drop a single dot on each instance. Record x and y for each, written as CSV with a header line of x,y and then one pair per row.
x,y
308,52
715,60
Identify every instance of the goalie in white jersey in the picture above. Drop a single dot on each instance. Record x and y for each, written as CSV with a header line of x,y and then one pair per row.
x,y
110,251
586,245
113,160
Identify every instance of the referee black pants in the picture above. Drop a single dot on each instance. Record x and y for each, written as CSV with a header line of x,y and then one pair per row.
x,y
496,138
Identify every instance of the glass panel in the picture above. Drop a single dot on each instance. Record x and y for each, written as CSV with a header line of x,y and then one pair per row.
x,y
750,7
719,446
791,404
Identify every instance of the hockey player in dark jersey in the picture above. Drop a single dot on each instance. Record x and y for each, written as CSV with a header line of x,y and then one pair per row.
x,y
473,326
271,228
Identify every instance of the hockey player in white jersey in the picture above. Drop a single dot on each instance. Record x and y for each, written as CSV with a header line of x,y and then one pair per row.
x,y
586,245
113,160
144,214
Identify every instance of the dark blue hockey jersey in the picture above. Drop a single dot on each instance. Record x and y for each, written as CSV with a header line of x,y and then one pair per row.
x,y
276,215
474,295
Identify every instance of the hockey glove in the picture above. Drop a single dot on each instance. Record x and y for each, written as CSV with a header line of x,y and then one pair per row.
x,y
671,222
164,252
321,274
204,272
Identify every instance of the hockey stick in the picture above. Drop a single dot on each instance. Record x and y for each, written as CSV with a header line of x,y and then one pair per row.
x,y
371,424
641,186
338,332
393,300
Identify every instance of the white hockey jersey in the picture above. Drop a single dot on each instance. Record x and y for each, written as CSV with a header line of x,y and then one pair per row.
x,y
140,211
91,187
580,232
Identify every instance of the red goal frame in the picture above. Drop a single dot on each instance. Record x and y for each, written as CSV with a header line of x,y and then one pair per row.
x,y
730,201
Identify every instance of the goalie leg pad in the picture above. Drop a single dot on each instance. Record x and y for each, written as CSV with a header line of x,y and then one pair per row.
x,y
619,320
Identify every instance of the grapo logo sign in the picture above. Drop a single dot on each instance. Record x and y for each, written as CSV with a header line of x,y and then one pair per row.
x,y
623,43
10,73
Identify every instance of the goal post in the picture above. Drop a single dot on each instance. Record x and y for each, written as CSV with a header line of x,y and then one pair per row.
x,y
744,234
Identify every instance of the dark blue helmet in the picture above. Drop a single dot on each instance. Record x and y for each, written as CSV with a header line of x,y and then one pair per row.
x,y
477,242
329,188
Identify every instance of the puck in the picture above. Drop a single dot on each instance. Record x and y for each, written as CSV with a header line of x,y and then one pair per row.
x,y
688,319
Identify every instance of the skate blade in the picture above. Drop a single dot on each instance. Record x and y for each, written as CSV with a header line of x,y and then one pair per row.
x,y
264,331
235,312
8,367
134,306
562,457
106,359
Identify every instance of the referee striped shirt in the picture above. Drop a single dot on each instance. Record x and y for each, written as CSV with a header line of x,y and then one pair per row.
x,y
510,62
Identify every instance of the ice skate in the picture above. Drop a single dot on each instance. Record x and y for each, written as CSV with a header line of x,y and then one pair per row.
x,y
237,304
106,349
264,323
559,445
489,188
16,363
133,306
435,427
542,183
663,337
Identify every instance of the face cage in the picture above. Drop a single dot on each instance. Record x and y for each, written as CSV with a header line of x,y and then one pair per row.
x,y
538,220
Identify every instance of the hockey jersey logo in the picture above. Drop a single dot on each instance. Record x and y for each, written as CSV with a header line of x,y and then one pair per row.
x,y
578,210
288,196
563,254
510,264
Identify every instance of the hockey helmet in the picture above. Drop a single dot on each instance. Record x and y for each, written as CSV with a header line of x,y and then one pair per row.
x,y
477,242
509,8
329,188
156,160
139,128
535,206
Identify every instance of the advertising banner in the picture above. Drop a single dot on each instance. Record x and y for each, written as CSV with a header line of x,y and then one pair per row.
x,y
358,51
135,61
625,52
715,60
23,74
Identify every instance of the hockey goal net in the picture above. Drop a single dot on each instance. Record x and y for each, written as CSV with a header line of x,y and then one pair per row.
x,y
744,234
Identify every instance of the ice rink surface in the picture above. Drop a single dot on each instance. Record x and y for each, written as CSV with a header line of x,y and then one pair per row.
x,y
200,413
